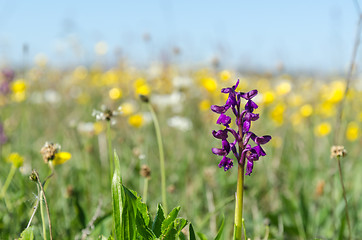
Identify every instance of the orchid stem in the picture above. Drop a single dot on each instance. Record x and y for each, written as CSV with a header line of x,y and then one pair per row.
x,y
162,158
238,226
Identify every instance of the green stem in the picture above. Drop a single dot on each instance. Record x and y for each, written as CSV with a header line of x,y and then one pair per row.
x,y
8,181
345,197
162,158
42,214
238,226
110,155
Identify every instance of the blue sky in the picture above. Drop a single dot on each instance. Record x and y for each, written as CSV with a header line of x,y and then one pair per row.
x,y
303,35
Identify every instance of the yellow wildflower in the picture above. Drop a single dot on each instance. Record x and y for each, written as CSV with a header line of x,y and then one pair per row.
x,y
115,93
283,88
18,88
277,114
128,108
136,120
225,75
61,158
306,110
268,97
15,159
322,129
205,105
141,87
209,84
352,132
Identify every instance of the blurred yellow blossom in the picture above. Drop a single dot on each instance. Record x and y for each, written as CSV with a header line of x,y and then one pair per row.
x,y
110,77
15,159
128,108
209,84
306,110
268,97
225,75
61,158
18,88
205,105
322,129
360,117
283,88
336,91
352,132
141,87
98,127
136,120
115,93
277,114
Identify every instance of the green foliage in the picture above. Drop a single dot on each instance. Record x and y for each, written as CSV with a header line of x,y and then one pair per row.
x,y
27,234
131,216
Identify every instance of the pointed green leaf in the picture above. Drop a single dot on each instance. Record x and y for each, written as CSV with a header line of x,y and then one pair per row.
x,y
202,236
27,234
157,222
124,207
192,232
117,202
221,229
169,219
142,208
143,229
174,229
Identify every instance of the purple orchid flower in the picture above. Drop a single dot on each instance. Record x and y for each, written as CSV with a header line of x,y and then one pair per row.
x,y
245,154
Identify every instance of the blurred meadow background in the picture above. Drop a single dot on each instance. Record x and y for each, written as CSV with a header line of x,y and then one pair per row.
x,y
62,60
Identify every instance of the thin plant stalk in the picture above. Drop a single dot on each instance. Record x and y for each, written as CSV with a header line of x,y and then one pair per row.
x,y
42,214
35,209
8,181
162,158
345,197
110,155
238,227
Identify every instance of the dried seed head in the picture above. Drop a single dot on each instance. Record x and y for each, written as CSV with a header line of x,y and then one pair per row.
x,y
49,150
145,171
338,151
33,177
144,98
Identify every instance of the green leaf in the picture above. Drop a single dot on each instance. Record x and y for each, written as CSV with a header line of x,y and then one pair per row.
x,y
202,236
221,229
169,219
142,208
143,229
341,229
117,200
124,206
174,229
192,232
157,222
27,234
